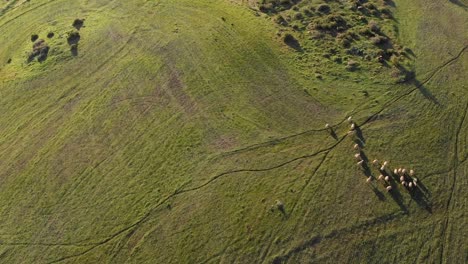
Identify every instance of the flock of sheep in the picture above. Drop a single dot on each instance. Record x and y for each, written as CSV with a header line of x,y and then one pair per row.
x,y
406,177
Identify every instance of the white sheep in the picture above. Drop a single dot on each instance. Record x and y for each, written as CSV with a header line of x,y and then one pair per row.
x,y
353,126
385,163
350,119
358,156
414,183
411,172
381,177
356,146
389,188
395,171
382,168
360,163
375,162
403,171
327,126
369,179
399,170
387,178
402,178
410,185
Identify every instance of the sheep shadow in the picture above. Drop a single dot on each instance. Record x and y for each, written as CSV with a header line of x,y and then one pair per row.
x,y
366,170
378,193
418,196
363,156
360,135
423,188
396,196
333,134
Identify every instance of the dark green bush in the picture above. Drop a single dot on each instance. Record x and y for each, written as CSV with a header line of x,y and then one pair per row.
x,y
323,8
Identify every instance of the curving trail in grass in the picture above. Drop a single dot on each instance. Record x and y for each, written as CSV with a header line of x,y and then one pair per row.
x,y
172,133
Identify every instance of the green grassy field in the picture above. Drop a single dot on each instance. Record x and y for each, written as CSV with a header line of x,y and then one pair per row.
x,y
174,129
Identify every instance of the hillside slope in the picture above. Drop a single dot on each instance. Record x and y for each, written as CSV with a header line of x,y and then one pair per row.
x,y
189,132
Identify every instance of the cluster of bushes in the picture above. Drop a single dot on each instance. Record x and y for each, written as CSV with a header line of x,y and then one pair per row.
x,y
333,23
40,51
273,6
73,37
352,28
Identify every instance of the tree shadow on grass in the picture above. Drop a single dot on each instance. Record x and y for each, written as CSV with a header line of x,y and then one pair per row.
x,y
424,91
458,3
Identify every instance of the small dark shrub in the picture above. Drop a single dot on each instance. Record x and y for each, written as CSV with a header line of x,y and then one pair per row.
x,y
267,8
298,16
34,37
73,37
369,6
346,43
331,23
9,61
50,35
323,8
306,12
395,60
366,32
352,65
78,23
374,26
280,20
338,60
40,50
291,41
379,40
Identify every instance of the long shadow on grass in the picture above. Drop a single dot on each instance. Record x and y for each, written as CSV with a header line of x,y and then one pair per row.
x,y
418,196
424,91
458,3
396,196
378,193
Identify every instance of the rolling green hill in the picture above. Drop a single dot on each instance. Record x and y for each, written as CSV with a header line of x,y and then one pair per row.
x,y
178,131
